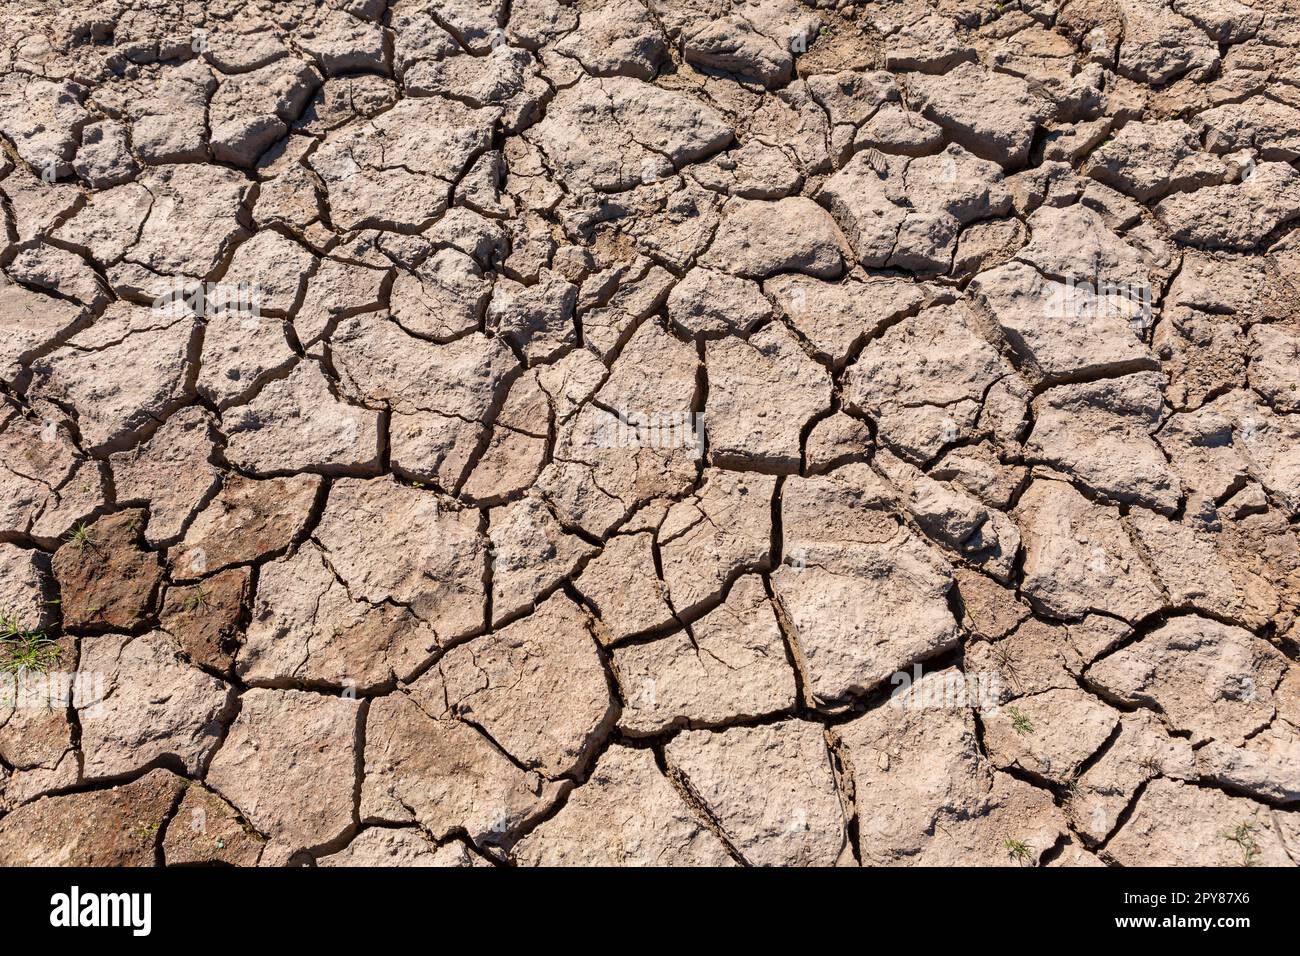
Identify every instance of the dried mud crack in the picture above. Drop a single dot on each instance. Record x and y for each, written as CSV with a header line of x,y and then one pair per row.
x,y
650,432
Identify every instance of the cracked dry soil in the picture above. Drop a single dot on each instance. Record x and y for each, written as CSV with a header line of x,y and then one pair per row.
x,y
622,432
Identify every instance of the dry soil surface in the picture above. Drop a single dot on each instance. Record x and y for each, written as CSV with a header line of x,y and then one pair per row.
x,y
699,432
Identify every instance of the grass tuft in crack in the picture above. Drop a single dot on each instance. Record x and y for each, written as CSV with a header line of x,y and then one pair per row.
x,y
1243,834
1018,850
1006,663
196,600
24,649
1019,722
79,537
